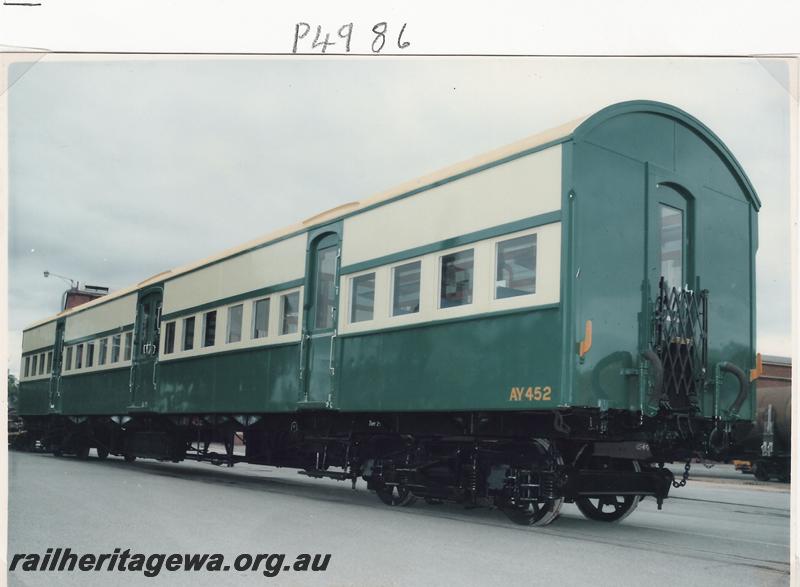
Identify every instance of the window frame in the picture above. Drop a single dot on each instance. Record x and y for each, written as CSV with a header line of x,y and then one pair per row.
x,y
352,295
193,320
282,315
127,353
393,281
204,332
169,341
254,314
117,338
229,321
102,351
495,262
440,270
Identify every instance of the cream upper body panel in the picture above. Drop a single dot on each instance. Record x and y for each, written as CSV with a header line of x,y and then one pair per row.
x,y
557,134
521,188
39,337
274,264
115,313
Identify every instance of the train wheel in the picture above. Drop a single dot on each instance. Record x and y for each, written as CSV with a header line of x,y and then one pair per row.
x,y
396,495
534,511
82,451
102,453
609,508
760,472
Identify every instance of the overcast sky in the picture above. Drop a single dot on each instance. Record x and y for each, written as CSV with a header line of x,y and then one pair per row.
x,y
122,169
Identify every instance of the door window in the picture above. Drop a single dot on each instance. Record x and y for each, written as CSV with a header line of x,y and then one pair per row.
x,y
325,288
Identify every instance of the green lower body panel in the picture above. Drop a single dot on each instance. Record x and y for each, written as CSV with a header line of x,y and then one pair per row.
x,y
249,381
34,398
98,393
501,362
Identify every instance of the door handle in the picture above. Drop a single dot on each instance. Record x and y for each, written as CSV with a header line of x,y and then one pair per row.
x,y
303,338
330,356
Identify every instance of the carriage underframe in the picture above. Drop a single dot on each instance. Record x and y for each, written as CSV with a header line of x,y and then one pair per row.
x,y
526,464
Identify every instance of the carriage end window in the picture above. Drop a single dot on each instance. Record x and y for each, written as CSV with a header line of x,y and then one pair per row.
x,y
672,245
516,267
260,318
68,360
34,365
27,366
79,356
49,361
362,303
169,338
41,364
456,279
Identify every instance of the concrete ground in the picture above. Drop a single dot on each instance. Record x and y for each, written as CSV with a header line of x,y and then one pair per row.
x,y
723,529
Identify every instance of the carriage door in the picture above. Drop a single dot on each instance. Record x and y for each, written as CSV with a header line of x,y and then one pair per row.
x,y
319,321
677,309
145,348
55,373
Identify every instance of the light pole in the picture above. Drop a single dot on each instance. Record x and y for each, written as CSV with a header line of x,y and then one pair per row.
x,y
73,284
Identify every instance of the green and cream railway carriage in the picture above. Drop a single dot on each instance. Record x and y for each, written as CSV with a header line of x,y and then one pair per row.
x,y
551,321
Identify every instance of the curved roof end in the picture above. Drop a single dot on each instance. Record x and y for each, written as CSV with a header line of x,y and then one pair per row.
x,y
664,109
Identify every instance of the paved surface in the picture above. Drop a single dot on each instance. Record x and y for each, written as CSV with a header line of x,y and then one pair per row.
x,y
714,532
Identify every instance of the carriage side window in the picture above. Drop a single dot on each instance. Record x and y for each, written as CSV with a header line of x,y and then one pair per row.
x,y
516,267
169,338
406,280
290,307
79,356
188,333
260,318
89,354
672,245
102,351
457,279
116,340
27,366
209,328
362,304
34,363
128,346
68,360
49,361
235,323
41,364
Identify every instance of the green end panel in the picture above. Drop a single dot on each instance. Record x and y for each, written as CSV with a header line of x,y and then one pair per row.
x,y
249,381
621,157
99,393
34,398
465,365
